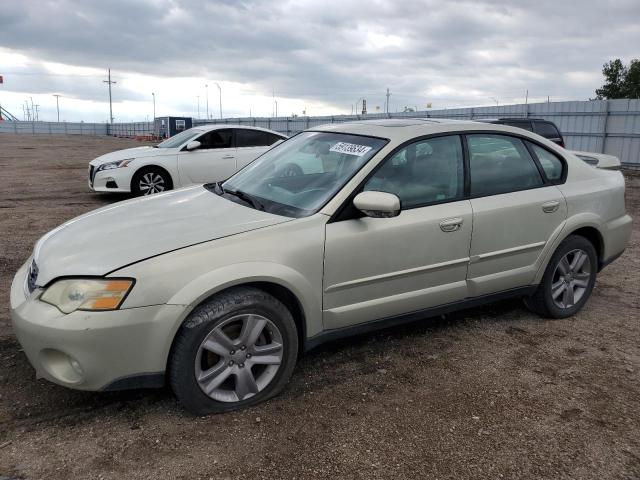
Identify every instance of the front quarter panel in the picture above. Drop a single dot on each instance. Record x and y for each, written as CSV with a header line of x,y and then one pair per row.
x,y
289,254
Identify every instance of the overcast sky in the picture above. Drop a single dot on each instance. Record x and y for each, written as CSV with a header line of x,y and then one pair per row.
x,y
318,56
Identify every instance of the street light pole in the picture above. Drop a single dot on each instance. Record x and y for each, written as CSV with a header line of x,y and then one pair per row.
x,y
154,114
206,91
57,106
220,93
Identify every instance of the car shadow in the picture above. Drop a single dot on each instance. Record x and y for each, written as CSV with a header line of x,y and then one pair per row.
x,y
39,401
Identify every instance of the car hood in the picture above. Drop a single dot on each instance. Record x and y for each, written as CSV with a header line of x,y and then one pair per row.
x,y
111,237
136,152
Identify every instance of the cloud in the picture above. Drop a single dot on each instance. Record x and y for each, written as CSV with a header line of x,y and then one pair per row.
x,y
326,53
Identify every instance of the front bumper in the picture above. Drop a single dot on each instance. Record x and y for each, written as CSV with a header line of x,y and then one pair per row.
x,y
93,350
116,180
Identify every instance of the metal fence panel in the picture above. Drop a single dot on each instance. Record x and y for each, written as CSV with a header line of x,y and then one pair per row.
x,y
605,126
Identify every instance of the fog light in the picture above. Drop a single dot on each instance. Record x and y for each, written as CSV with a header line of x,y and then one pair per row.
x,y
76,366
61,367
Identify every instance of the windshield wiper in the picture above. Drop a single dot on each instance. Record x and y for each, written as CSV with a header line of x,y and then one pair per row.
x,y
245,197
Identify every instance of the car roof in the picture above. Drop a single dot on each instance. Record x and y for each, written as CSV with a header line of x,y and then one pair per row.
x,y
220,126
407,128
512,119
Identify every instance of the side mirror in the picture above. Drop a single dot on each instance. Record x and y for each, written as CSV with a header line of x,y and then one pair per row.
x,y
192,145
377,204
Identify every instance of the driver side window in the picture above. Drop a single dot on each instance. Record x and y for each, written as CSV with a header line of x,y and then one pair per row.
x,y
424,172
216,139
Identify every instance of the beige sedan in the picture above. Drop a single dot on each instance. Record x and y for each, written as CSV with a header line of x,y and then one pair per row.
x,y
217,289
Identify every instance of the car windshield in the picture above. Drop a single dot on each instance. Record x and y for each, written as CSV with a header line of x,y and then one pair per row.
x,y
179,139
297,177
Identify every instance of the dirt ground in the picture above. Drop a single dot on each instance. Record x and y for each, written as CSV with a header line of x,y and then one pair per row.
x,y
488,393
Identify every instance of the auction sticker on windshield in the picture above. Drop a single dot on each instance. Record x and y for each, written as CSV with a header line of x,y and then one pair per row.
x,y
350,148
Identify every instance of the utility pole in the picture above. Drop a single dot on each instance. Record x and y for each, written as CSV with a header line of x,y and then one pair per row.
x,y
57,106
526,97
220,93
276,102
387,105
206,92
198,97
36,114
109,82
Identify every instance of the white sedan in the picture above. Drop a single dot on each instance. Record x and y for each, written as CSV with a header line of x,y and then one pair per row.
x,y
210,153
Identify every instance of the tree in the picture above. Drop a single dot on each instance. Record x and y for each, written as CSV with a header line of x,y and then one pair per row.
x,y
632,81
621,81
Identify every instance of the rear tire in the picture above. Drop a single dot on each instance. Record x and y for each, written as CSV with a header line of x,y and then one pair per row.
x,y
236,350
150,180
568,280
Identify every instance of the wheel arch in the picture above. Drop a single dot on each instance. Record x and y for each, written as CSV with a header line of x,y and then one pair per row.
x,y
594,236
151,166
283,283
585,225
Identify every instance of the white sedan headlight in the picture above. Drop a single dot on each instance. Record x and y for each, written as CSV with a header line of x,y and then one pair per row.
x,y
116,164
74,294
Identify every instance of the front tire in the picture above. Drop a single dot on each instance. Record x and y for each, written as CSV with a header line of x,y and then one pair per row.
x,y
568,280
150,180
234,351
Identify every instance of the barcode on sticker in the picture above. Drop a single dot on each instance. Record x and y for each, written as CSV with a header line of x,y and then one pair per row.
x,y
350,148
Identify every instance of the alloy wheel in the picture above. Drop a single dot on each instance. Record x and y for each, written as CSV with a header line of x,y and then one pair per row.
x,y
239,358
151,183
571,279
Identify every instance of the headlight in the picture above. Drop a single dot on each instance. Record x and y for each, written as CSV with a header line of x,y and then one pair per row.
x,y
70,295
117,164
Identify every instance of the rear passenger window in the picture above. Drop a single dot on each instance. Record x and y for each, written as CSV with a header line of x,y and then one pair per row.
x,y
546,130
551,164
500,164
427,171
254,138
272,138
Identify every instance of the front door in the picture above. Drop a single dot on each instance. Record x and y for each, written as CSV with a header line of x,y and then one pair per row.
x,y
516,212
213,161
381,267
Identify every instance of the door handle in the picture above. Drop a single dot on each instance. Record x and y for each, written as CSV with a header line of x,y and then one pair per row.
x,y
226,157
451,224
550,207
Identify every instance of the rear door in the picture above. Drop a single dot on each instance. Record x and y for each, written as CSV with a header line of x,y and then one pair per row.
x,y
213,161
516,211
250,144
